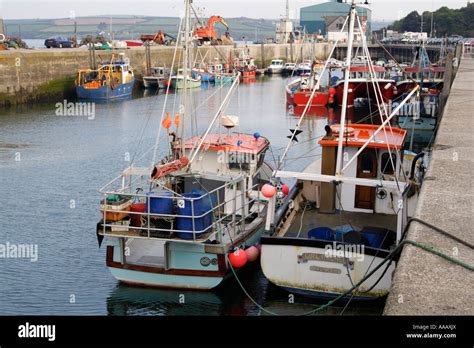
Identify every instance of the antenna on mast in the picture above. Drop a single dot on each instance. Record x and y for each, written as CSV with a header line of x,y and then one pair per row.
x,y
287,9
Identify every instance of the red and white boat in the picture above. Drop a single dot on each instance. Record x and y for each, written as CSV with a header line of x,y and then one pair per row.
x,y
361,85
246,66
433,78
299,90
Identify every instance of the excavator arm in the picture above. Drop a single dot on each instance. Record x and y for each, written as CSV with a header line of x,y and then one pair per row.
x,y
208,32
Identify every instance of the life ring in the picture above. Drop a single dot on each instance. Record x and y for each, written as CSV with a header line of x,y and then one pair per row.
x,y
2,38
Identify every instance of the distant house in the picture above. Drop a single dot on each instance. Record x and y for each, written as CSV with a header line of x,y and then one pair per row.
x,y
334,25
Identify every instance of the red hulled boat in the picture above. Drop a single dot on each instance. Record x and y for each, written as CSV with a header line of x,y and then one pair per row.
x,y
361,85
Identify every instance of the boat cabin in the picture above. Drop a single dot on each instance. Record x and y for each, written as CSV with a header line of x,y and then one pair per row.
x,y
160,71
430,74
190,200
277,63
107,73
363,72
376,162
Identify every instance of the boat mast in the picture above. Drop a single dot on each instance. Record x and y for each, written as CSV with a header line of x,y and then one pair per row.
x,y
185,70
346,88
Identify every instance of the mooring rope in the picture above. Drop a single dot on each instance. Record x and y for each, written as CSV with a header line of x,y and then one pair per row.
x,y
390,256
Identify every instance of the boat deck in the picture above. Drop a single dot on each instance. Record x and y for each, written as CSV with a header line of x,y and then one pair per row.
x,y
312,219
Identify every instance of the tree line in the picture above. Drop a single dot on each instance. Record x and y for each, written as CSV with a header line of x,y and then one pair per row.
x,y
446,22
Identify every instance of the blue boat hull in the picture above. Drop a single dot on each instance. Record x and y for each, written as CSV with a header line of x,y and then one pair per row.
x,y
205,77
106,92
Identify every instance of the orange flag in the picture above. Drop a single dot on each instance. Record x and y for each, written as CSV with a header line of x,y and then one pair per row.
x,y
167,121
176,120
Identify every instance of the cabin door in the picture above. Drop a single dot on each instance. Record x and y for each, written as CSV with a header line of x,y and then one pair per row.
x,y
366,168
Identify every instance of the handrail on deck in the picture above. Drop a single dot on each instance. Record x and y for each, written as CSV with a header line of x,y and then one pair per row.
x,y
215,209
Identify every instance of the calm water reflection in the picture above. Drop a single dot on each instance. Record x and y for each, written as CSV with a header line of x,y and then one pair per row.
x,y
51,168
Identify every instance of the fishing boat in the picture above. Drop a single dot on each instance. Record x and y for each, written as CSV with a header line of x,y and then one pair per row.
x,y
288,69
245,65
209,73
303,68
276,66
357,196
156,77
111,80
421,72
421,112
182,221
224,78
177,81
299,92
362,79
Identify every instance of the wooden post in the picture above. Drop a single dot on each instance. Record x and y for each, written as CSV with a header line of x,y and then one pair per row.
x,y
262,47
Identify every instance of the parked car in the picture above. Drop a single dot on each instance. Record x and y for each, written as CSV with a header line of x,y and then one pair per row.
x,y
58,42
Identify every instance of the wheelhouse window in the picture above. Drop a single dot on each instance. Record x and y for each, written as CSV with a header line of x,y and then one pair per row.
x,y
386,166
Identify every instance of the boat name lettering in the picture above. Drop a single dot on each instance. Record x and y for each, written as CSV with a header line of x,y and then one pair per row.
x,y
325,269
305,257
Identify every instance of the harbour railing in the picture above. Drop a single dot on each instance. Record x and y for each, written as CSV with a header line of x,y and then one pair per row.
x,y
195,217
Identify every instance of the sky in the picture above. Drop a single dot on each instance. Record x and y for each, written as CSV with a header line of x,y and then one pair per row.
x,y
388,10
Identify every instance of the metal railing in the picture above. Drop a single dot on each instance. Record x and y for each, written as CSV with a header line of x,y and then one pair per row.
x,y
205,222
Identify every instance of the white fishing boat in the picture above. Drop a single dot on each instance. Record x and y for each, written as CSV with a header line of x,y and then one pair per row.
x,y
357,198
183,220
157,77
276,66
177,81
288,68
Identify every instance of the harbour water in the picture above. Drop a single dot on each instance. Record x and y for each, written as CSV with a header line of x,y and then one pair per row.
x,y
51,167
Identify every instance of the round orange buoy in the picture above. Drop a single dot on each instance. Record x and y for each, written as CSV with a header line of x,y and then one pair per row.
x,y
285,189
268,190
252,253
238,258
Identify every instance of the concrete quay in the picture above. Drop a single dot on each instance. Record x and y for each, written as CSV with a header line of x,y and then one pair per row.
x,y
35,75
426,284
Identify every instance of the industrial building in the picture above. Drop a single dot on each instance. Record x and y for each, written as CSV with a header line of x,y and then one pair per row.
x,y
313,18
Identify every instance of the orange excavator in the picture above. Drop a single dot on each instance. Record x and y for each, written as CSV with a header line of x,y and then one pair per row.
x,y
208,33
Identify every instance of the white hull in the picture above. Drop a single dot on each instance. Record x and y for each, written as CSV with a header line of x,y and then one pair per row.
x,y
311,271
178,82
273,70
154,82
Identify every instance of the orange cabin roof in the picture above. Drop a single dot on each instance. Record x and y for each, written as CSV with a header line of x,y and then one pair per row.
x,y
229,143
358,134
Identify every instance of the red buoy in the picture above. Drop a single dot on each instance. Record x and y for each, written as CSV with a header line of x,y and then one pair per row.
x,y
268,190
252,253
332,91
285,189
238,258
